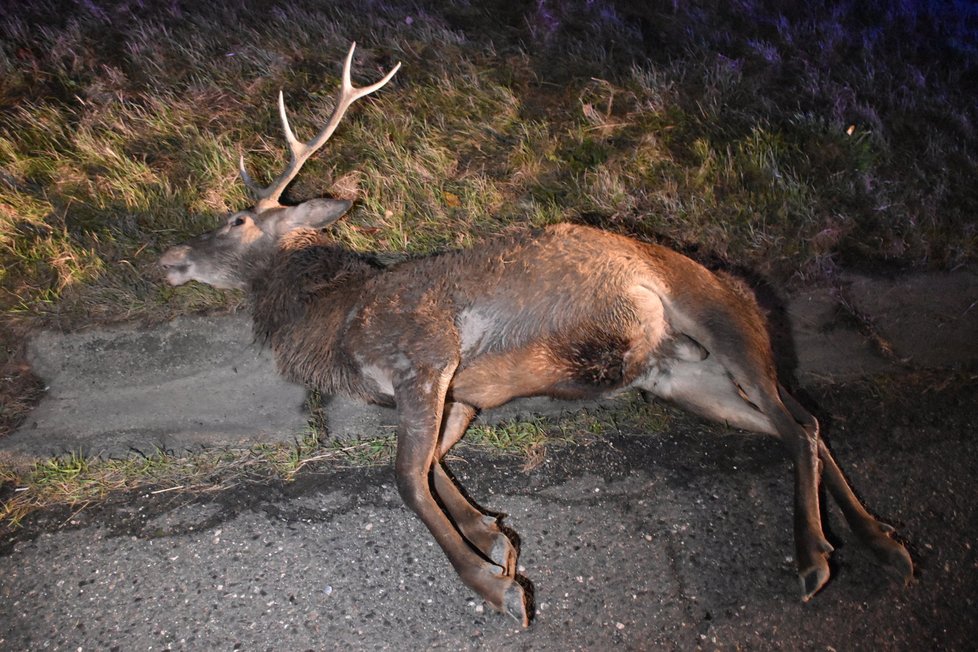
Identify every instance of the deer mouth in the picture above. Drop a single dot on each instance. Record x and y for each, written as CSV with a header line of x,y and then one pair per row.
x,y
176,274
176,267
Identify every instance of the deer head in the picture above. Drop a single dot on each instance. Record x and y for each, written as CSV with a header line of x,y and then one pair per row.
x,y
226,256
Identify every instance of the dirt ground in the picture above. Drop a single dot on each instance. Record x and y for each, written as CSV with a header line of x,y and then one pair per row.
x,y
672,540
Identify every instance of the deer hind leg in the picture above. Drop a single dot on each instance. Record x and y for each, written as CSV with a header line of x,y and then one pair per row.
x,y
873,534
420,402
706,388
481,530
811,547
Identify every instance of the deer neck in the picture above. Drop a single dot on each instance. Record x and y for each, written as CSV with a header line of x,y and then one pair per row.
x,y
305,270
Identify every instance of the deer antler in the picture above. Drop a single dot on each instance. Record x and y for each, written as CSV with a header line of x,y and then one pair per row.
x,y
268,197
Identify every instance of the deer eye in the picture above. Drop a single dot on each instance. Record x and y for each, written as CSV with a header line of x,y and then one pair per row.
x,y
236,221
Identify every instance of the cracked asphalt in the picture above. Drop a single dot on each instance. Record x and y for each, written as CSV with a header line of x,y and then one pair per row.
x,y
671,540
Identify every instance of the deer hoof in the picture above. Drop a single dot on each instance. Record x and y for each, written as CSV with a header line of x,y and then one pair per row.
x,y
813,579
514,604
503,554
894,558
889,553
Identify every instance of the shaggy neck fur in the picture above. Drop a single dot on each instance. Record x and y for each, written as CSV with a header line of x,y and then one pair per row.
x,y
300,299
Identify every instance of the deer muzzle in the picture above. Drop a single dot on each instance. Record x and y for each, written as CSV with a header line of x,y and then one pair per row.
x,y
175,262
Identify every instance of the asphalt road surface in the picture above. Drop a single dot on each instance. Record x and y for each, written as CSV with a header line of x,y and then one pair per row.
x,y
673,540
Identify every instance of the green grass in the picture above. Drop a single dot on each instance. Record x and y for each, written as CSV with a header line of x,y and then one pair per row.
x,y
788,142
77,481
513,437
530,438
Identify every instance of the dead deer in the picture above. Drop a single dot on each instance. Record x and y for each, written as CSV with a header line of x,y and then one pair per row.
x,y
566,311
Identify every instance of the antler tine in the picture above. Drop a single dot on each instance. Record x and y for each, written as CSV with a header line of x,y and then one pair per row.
x,y
263,194
357,93
300,151
247,180
294,144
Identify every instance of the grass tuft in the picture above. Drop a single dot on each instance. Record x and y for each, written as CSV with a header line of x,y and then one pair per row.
x,y
77,481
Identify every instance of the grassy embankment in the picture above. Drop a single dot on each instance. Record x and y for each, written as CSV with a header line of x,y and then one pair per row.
x,y
786,142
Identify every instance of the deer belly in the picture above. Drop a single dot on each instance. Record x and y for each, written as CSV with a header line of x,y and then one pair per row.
x,y
574,370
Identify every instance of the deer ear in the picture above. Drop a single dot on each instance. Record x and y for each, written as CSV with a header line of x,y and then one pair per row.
x,y
315,213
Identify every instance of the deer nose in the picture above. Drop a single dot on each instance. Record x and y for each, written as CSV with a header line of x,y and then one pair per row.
x,y
174,256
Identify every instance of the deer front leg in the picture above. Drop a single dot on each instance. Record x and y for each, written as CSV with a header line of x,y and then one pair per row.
x,y
481,530
420,399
